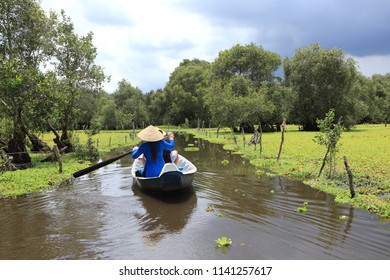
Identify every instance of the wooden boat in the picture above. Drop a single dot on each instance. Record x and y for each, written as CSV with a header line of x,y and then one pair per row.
x,y
173,177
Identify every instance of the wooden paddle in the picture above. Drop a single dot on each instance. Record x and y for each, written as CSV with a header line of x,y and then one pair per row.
x,y
98,165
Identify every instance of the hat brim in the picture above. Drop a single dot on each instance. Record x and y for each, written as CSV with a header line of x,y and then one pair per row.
x,y
150,134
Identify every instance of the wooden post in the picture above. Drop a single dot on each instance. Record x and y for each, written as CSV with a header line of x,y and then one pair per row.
x,y
283,128
350,177
97,142
243,137
109,142
57,156
261,139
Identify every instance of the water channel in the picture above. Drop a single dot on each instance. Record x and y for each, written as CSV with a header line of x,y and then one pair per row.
x,y
104,216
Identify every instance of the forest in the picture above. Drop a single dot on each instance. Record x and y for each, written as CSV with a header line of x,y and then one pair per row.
x,y
49,81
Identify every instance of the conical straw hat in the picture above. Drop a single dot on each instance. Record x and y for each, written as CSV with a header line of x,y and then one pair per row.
x,y
150,134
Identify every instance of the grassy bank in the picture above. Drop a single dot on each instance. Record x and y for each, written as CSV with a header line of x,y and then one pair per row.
x,y
366,147
45,175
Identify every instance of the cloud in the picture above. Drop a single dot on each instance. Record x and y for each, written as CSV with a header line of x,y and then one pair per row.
x,y
373,64
144,41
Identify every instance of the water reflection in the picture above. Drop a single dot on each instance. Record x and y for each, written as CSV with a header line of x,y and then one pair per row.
x,y
165,213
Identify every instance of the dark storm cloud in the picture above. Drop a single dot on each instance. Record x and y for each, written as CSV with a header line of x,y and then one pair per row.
x,y
359,28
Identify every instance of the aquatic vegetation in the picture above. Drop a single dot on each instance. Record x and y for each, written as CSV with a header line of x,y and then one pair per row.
x,y
343,217
303,209
191,149
223,241
210,208
225,162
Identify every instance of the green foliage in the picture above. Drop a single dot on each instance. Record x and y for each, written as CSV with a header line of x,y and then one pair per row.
x,y
76,72
241,79
130,107
87,151
329,137
330,132
322,79
42,177
185,92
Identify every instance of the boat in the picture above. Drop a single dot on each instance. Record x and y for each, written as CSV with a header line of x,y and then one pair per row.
x,y
173,177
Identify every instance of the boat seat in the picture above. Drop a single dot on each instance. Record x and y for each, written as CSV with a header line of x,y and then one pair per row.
x,y
168,167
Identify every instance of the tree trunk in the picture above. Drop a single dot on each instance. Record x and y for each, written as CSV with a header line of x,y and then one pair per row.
x,y
65,140
17,149
58,140
17,145
37,144
324,161
350,177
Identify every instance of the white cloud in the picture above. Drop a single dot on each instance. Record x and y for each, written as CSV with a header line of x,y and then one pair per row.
x,y
374,64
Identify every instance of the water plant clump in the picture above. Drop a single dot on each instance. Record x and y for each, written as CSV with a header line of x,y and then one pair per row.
x,y
223,241
303,209
223,244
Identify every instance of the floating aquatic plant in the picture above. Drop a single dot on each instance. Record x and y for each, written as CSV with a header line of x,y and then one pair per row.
x,y
223,243
191,149
303,209
225,162
343,217
210,208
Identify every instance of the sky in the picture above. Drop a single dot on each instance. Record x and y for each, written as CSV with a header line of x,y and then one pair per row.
x,y
143,41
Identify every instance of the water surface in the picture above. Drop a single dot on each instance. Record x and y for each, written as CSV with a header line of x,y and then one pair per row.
x,y
104,216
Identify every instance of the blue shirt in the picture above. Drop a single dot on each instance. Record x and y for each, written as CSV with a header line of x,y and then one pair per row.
x,y
153,167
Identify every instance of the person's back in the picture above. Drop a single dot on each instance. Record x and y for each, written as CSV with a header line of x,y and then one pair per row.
x,y
153,166
152,149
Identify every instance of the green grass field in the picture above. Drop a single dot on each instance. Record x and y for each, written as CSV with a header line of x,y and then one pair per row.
x,y
366,147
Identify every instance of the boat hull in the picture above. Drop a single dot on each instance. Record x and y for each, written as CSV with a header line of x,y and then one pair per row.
x,y
172,178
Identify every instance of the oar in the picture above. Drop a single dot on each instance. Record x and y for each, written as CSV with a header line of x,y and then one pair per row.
x,y
98,165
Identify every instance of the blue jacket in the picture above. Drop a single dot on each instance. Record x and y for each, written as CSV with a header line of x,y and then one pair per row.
x,y
153,168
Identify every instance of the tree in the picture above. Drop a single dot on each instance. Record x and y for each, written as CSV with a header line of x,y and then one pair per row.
x,y
158,106
381,97
249,61
25,33
131,106
186,90
76,71
239,82
329,137
322,79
